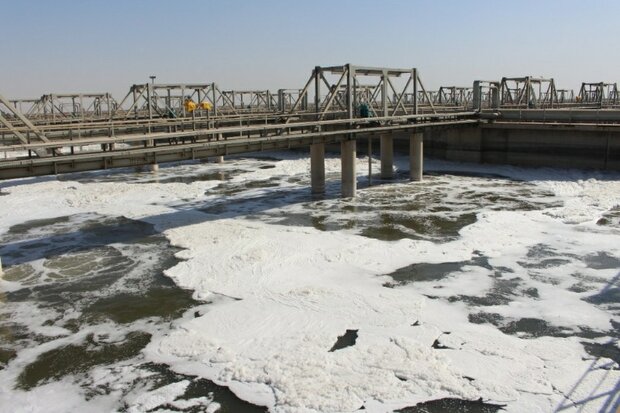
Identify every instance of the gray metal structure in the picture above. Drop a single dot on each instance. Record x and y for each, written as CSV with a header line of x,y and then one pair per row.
x,y
339,91
63,107
151,100
599,94
250,100
74,132
528,92
288,97
456,96
566,96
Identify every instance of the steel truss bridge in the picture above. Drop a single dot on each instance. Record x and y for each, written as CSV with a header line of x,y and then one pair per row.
x,y
61,133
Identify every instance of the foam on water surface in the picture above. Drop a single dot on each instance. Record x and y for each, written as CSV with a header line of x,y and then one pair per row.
x,y
483,286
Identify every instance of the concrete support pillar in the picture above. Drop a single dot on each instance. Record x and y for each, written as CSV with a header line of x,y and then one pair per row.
x,y
219,159
317,168
347,161
154,167
387,156
416,155
1,271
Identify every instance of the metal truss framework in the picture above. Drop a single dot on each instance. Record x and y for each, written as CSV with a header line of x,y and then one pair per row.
x,y
600,94
14,120
167,100
151,100
25,106
342,90
565,96
333,92
338,103
454,96
288,97
250,100
527,92
66,107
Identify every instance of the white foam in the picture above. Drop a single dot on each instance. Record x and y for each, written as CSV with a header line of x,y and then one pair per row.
x,y
301,288
143,401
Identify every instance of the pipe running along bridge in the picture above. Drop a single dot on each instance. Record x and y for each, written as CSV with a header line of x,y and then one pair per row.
x,y
154,123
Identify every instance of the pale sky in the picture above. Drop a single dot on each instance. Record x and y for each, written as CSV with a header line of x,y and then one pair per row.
x,y
71,46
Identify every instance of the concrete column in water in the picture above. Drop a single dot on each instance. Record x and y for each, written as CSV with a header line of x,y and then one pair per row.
x,y
317,168
219,159
416,154
154,167
387,156
347,164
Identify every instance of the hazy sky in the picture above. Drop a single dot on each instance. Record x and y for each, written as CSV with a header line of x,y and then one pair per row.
x,y
98,46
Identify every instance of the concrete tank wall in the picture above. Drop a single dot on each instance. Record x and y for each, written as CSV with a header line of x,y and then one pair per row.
x,y
543,145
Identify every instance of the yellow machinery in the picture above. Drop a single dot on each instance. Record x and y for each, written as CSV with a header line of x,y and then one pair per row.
x,y
190,106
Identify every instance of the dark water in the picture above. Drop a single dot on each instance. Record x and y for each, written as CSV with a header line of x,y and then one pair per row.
x,y
436,210
424,272
348,339
75,359
83,271
450,405
506,287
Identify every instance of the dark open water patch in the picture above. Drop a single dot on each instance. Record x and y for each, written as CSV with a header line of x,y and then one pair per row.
x,y
253,205
198,387
103,267
348,339
542,256
453,405
395,226
441,207
6,356
608,350
435,210
424,272
75,359
234,188
534,327
78,271
164,302
504,291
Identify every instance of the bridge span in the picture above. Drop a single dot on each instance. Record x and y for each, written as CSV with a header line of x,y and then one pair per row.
x,y
154,123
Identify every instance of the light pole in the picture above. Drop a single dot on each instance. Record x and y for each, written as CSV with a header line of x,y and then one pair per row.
x,y
150,92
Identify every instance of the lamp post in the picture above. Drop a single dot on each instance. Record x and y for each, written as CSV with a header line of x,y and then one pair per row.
x,y
150,91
